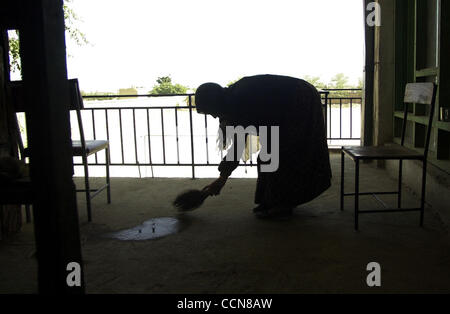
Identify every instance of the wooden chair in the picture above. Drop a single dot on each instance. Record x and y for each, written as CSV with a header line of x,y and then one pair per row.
x,y
421,93
81,148
84,148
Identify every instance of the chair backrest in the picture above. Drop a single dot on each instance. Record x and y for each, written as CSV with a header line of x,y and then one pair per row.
x,y
76,100
420,93
76,103
17,93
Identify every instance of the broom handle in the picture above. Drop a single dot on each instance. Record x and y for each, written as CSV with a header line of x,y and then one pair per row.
x,y
205,195
221,180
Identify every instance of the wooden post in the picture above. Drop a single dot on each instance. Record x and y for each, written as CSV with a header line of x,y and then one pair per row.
x,y
367,107
44,74
10,215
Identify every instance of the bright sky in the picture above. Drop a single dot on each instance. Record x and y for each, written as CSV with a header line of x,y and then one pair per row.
x,y
132,42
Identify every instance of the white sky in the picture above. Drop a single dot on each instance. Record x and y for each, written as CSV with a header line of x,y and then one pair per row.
x,y
132,42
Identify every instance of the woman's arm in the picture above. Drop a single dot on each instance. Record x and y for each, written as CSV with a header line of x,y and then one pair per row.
x,y
229,163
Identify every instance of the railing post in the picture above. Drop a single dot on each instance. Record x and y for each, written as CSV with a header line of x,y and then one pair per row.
x,y
192,136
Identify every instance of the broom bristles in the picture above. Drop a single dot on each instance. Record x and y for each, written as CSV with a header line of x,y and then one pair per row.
x,y
189,200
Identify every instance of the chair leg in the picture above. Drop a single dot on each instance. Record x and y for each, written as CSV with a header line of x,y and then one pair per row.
x,y
400,170
422,199
108,182
356,194
342,179
87,188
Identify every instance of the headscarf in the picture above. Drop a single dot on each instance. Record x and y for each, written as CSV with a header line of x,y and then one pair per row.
x,y
209,98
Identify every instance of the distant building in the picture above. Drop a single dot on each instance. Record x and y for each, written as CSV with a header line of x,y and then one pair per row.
x,y
128,91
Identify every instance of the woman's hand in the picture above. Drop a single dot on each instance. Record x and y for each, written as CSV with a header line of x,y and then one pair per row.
x,y
215,187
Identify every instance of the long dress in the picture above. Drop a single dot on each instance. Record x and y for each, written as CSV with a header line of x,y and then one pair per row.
x,y
294,106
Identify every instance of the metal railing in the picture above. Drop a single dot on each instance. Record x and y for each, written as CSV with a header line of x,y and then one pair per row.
x,y
351,100
124,126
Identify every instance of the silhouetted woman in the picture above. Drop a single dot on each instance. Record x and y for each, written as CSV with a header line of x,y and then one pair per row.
x,y
271,100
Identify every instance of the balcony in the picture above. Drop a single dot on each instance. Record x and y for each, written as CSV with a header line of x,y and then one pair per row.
x,y
222,248
163,135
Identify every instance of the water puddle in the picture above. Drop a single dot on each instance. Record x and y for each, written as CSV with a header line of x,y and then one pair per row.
x,y
149,230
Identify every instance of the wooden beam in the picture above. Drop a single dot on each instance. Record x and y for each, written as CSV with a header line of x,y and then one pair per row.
x,y
44,73
444,60
9,14
404,48
10,215
367,110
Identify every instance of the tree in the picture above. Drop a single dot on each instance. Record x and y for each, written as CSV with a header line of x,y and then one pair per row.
x,y
165,86
14,51
71,20
315,81
339,81
360,83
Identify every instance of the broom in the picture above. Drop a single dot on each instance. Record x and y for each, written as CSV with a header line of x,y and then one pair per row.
x,y
190,200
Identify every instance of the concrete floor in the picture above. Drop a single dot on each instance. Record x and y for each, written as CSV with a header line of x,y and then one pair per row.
x,y
222,248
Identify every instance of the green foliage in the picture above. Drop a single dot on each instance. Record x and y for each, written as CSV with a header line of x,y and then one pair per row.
x,y
164,80
360,83
315,80
165,86
340,81
14,51
71,20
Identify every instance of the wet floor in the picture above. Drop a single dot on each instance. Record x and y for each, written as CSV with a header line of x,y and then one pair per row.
x,y
149,230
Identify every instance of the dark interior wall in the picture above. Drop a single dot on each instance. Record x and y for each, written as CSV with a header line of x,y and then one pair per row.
x,y
10,215
409,48
427,34
4,130
421,56
412,45
444,52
